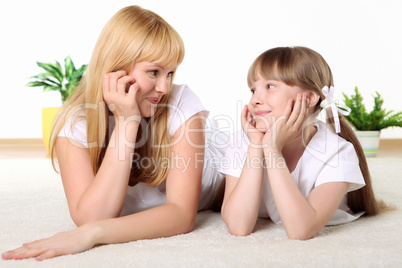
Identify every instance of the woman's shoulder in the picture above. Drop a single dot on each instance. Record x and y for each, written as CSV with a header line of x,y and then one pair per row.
x,y
179,92
183,104
75,127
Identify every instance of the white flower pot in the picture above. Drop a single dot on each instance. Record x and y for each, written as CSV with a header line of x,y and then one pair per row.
x,y
369,141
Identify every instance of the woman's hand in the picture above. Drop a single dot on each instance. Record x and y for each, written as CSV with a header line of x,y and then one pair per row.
x,y
63,243
288,126
119,93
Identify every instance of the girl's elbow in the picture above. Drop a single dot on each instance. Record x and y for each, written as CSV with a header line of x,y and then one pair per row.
x,y
239,231
300,234
237,228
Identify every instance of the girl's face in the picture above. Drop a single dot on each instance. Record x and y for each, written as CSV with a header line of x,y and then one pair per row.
x,y
269,99
154,81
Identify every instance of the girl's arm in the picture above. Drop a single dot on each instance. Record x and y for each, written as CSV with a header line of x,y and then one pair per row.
x,y
241,201
301,217
177,216
95,197
242,195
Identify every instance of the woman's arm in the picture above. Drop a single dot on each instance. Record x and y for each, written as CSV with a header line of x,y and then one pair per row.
x,y
95,197
90,197
177,216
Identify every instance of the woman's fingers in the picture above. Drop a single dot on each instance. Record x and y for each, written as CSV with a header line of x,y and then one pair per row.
x,y
24,252
109,81
62,243
47,255
132,90
119,91
123,84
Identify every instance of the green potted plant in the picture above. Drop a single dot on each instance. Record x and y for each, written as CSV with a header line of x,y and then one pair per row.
x,y
368,125
54,78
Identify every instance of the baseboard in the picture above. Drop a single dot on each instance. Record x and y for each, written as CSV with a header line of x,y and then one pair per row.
x,y
388,143
21,142
393,144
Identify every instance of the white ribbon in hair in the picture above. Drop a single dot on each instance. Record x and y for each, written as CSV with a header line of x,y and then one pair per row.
x,y
329,102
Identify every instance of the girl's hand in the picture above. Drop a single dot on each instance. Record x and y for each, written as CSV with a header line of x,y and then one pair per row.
x,y
63,243
288,126
248,124
119,93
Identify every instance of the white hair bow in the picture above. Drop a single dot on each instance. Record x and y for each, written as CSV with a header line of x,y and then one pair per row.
x,y
329,102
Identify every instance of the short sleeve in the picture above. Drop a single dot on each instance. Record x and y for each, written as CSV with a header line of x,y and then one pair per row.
x,y
346,169
75,128
183,104
235,155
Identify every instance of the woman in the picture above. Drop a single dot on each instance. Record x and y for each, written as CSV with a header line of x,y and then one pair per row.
x,y
131,145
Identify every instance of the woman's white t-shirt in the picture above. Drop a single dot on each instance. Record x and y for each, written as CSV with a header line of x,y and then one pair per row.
x,y
182,105
327,158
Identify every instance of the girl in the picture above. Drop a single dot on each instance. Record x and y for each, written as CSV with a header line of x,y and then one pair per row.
x,y
127,125
296,170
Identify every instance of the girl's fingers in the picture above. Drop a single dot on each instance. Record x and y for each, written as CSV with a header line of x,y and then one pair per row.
x,y
295,111
302,112
244,114
288,110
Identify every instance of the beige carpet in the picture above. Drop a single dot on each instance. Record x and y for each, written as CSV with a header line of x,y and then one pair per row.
x,y
32,206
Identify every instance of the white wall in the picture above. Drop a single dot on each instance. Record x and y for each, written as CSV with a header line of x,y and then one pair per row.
x,y
360,39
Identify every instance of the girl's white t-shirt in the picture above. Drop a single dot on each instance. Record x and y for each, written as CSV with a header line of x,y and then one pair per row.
x,y
183,104
327,158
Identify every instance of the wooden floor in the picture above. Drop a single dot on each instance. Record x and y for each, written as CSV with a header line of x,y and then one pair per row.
x,y
34,148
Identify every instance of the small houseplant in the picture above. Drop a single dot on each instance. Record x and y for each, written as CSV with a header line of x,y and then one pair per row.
x,y
368,125
54,78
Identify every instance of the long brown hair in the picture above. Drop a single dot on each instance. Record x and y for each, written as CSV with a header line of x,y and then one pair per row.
x,y
304,67
132,35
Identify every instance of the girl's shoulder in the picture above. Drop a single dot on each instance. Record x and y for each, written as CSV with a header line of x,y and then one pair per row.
x,y
325,145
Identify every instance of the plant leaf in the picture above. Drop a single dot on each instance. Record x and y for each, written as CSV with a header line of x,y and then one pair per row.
x,y
69,68
53,70
377,119
49,88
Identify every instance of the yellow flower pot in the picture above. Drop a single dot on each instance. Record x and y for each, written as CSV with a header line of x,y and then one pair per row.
x,y
48,116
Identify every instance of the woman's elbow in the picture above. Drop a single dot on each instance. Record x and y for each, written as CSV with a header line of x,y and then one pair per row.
x,y
81,218
186,223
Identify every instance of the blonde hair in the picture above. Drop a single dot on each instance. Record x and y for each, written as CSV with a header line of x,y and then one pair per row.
x,y
303,67
132,35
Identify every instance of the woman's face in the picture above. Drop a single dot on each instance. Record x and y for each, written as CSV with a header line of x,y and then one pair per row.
x,y
154,81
